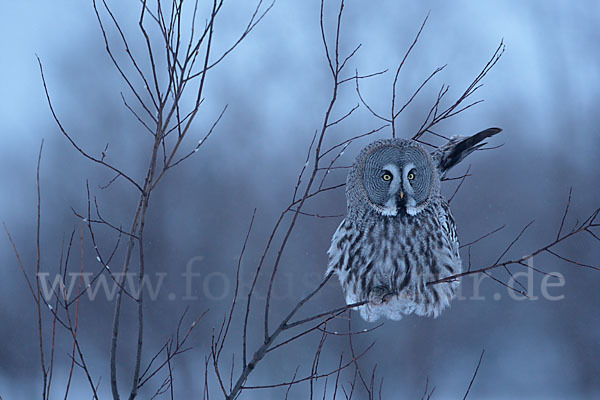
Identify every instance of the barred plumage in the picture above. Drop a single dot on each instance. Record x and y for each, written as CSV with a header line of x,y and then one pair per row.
x,y
399,233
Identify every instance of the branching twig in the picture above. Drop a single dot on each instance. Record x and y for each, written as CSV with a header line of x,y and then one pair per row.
x,y
585,226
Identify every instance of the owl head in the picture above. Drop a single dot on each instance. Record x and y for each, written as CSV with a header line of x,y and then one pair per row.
x,y
391,177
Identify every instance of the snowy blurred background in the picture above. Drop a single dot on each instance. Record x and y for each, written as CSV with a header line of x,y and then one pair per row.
x,y
543,93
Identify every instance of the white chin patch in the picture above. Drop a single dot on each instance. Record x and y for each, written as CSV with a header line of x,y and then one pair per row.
x,y
390,209
411,207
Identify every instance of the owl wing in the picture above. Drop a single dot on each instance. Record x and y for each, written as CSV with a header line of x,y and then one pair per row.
x,y
448,227
345,254
339,251
447,222
458,147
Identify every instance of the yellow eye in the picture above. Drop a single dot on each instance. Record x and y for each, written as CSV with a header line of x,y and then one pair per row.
x,y
411,176
386,176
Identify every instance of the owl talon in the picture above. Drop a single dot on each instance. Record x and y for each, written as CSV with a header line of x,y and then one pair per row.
x,y
387,297
380,295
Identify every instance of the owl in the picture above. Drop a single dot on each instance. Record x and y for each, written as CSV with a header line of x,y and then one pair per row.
x,y
399,233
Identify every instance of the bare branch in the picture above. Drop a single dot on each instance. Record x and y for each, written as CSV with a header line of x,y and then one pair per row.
x,y
79,149
584,227
483,237
460,184
474,374
346,365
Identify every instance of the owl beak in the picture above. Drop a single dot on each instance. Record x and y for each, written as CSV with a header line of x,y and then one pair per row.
x,y
400,200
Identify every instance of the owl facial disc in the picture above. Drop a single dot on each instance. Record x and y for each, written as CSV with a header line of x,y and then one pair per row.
x,y
397,179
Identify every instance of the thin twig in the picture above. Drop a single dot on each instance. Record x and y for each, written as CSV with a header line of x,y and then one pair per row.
x,y
474,374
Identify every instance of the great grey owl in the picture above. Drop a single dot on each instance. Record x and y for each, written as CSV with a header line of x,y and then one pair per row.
x,y
398,233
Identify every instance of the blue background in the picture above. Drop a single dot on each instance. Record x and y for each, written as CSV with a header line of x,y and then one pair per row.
x,y
543,93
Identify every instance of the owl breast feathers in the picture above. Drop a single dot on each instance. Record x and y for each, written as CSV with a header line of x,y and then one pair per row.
x,y
399,233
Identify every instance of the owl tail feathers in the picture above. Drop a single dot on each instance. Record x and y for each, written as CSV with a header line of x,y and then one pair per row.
x,y
453,152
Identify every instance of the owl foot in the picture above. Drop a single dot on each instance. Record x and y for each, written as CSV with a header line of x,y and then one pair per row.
x,y
380,295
